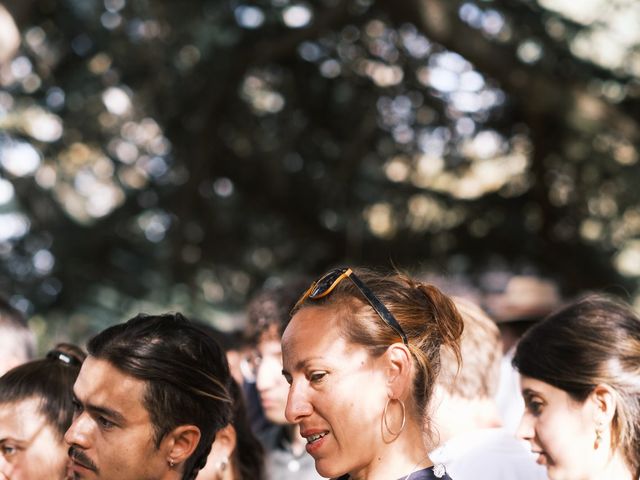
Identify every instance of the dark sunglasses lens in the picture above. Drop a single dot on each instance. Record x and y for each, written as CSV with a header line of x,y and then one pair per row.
x,y
325,283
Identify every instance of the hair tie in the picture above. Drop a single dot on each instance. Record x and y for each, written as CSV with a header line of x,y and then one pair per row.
x,y
64,358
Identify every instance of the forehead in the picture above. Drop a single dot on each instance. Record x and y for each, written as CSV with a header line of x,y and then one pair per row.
x,y
532,386
21,419
315,332
101,384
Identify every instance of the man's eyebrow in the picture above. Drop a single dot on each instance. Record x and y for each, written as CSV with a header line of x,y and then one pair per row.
x,y
102,411
527,392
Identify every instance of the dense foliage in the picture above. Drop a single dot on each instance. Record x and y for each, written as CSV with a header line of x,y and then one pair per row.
x,y
161,153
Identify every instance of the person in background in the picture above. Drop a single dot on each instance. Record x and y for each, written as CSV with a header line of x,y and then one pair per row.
x,y
522,301
17,341
580,379
149,399
361,355
472,442
36,408
268,314
236,453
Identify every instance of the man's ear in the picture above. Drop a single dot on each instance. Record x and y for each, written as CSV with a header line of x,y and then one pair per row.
x,y
398,370
181,443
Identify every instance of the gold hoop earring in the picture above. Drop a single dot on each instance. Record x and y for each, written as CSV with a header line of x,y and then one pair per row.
x,y
386,423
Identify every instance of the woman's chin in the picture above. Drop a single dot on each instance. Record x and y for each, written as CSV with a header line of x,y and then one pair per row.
x,y
328,470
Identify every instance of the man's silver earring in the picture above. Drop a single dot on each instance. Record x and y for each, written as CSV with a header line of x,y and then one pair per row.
x,y
171,462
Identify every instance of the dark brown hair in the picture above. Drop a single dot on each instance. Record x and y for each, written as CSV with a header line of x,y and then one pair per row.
x,y
269,310
248,456
185,370
50,380
591,341
428,317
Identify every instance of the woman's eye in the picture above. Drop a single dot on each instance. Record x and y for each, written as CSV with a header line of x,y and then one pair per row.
x,y
535,407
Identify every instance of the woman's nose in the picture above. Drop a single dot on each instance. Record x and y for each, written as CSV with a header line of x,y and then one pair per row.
x,y
298,405
525,428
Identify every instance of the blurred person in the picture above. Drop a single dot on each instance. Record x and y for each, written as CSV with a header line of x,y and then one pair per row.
x,y
17,341
149,400
472,442
234,344
361,355
236,453
268,314
580,379
522,302
36,408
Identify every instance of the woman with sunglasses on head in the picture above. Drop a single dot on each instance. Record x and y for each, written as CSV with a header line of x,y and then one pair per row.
x,y
580,379
361,355
36,408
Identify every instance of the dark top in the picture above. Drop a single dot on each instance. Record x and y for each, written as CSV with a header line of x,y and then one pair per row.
x,y
425,474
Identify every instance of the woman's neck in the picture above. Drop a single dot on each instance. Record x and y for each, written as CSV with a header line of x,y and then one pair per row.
x,y
616,468
398,458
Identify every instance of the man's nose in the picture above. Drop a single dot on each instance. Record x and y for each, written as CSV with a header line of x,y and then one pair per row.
x,y
78,432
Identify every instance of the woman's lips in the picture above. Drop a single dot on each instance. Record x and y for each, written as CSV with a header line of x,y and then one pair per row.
x,y
315,439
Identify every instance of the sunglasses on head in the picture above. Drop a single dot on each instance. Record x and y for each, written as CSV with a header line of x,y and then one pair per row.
x,y
325,285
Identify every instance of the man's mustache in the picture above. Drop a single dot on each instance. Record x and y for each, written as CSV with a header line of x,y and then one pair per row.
x,y
81,458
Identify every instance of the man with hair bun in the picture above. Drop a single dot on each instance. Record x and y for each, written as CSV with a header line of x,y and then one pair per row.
x,y
149,399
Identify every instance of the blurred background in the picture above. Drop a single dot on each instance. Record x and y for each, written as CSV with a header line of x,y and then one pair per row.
x,y
179,155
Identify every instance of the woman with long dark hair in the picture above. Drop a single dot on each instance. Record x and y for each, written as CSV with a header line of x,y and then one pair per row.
x,y
580,378
236,453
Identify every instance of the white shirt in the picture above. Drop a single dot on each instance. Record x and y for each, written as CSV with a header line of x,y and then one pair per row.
x,y
491,454
508,397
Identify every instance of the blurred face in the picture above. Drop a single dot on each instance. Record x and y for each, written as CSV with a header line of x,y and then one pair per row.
x,y
560,430
337,394
112,436
30,448
271,385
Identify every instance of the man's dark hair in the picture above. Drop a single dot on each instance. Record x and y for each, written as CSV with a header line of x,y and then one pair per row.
x,y
186,374
49,380
269,310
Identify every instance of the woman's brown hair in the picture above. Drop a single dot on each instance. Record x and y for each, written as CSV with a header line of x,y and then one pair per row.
x,y
592,341
427,316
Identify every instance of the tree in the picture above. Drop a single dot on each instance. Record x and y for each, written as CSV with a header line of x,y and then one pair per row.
x,y
184,152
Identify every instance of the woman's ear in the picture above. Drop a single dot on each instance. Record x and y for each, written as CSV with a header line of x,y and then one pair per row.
x,y
604,401
225,442
398,359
